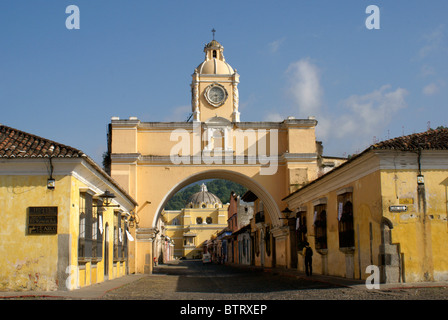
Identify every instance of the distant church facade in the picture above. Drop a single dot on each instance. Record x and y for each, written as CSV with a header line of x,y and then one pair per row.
x,y
202,218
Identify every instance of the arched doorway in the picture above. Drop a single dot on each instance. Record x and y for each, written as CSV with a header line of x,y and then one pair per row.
x,y
269,203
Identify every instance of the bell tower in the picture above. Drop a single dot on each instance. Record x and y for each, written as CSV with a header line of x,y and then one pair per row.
x,y
214,88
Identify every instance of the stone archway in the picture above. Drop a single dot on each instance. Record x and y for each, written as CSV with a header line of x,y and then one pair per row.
x,y
146,232
154,160
251,184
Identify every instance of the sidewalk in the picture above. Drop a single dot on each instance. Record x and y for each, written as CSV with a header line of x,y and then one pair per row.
x,y
343,282
95,291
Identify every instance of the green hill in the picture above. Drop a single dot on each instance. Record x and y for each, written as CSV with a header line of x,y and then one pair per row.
x,y
219,187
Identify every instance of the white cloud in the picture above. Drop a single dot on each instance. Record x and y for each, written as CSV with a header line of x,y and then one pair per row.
x,y
434,41
430,89
274,117
368,115
179,113
427,71
359,118
275,45
305,87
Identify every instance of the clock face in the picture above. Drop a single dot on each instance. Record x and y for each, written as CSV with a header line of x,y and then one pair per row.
x,y
215,94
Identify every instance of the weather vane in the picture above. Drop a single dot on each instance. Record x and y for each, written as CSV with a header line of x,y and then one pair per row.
x,y
213,31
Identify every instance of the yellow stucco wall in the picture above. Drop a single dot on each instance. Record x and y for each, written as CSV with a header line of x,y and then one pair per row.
x,y
420,233
366,208
423,237
30,262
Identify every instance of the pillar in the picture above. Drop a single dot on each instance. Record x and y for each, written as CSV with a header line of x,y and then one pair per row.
x,y
144,250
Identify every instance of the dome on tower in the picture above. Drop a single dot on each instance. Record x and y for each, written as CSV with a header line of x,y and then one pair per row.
x,y
204,199
214,62
215,67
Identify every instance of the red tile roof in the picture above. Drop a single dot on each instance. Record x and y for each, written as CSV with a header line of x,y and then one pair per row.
x,y
18,144
428,140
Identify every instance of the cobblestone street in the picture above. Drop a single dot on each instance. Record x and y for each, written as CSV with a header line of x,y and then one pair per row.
x,y
191,280
190,288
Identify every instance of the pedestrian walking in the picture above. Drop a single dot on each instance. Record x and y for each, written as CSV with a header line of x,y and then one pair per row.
x,y
308,253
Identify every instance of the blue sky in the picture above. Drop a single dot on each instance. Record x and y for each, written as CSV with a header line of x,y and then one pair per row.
x,y
295,58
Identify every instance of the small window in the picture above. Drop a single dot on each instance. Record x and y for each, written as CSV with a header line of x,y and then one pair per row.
x,y
198,220
268,240
214,53
320,226
189,241
345,220
97,237
301,230
209,220
85,226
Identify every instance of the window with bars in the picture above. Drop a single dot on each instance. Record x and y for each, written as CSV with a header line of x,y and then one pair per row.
x,y
345,220
85,226
120,238
268,240
117,242
97,235
301,230
320,226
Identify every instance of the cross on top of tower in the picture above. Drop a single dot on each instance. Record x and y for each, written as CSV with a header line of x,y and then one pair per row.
x,y
213,31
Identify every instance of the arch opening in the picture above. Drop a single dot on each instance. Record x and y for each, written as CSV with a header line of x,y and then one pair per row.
x,y
268,201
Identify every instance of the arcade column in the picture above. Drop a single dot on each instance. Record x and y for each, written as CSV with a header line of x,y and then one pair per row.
x,y
144,250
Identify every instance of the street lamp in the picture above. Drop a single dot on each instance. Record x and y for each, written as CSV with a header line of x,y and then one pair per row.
x,y
106,199
287,212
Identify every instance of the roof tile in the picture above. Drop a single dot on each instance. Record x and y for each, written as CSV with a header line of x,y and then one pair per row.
x,y
428,140
18,144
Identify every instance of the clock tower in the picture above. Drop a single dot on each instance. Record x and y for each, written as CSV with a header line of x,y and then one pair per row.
x,y
214,88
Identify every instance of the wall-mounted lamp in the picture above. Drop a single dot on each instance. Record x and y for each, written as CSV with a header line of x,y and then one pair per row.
x,y
106,199
287,213
420,179
132,218
51,183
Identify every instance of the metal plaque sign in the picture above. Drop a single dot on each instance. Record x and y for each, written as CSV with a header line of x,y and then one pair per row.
x,y
42,220
398,208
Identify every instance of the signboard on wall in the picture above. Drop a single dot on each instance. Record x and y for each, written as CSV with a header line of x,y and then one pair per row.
x,y
42,220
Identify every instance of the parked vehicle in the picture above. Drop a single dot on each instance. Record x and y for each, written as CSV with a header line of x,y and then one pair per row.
x,y
206,258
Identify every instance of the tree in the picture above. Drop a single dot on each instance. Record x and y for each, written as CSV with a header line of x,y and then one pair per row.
x,y
219,187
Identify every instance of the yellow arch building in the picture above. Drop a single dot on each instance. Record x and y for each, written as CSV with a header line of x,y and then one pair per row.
x,y
154,160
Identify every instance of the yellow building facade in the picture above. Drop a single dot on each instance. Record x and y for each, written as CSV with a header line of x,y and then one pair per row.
x,y
202,218
56,234
154,160
386,207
